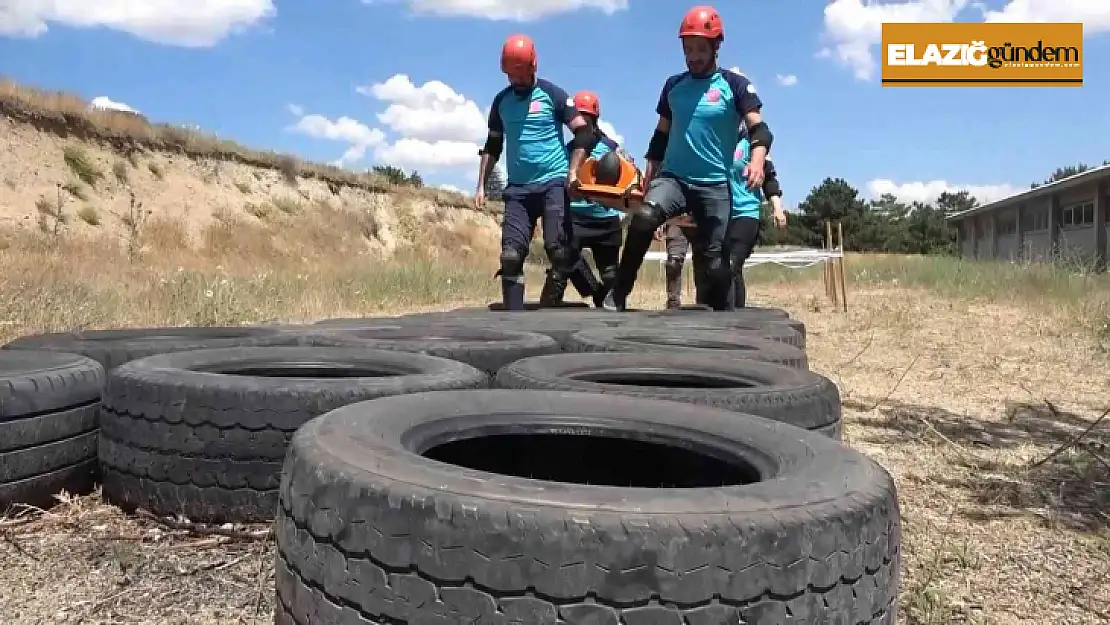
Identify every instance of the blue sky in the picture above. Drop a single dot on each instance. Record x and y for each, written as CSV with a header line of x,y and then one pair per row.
x,y
409,81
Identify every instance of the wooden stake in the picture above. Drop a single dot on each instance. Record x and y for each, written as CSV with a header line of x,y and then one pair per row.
x,y
832,270
828,272
844,288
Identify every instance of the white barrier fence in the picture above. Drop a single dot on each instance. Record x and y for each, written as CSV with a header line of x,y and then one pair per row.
x,y
793,259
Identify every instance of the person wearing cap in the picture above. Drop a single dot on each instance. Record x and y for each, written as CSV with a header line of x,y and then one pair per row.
x,y
526,121
594,226
690,158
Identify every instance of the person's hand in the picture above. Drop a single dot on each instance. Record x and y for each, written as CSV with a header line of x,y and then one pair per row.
x,y
779,217
660,232
754,172
573,185
480,198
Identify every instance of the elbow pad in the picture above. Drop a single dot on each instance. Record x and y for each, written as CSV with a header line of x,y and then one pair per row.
x,y
585,138
760,136
493,146
657,148
771,187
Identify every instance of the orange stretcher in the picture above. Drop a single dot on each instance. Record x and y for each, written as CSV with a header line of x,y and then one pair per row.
x,y
626,195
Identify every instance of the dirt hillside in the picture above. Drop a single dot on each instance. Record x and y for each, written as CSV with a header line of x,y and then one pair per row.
x,y
67,169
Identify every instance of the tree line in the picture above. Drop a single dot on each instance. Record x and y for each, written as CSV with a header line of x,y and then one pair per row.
x,y
884,224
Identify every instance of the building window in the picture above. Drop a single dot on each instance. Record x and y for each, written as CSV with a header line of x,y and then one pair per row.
x,y
1007,225
1034,220
1078,215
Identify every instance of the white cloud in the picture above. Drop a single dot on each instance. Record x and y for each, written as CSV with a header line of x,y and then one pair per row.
x,y
423,155
171,22
510,10
854,27
450,187
1094,15
108,104
358,136
431,112
927,192
788,80
610,130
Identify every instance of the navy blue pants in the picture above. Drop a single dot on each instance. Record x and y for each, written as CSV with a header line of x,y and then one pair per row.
x,y
524,204
667,197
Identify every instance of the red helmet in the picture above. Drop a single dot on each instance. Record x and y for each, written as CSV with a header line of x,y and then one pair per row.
x,y
518,54
703,21
587,102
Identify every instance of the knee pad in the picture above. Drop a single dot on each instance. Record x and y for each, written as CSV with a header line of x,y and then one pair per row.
x,y
647,219
512,263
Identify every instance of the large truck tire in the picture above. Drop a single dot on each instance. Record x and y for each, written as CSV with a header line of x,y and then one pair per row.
x,y
48,425
112,348
202,434
786,394
545,507
706,343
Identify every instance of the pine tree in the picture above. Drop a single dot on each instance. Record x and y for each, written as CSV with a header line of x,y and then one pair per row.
x,y
495,183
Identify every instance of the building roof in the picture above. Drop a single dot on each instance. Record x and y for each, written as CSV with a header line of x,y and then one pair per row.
x,y
1045,189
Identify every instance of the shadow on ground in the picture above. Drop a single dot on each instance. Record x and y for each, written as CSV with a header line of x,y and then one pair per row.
x,y
1067,482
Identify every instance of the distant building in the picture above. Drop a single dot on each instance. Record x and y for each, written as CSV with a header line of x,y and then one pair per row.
x,y
1066,219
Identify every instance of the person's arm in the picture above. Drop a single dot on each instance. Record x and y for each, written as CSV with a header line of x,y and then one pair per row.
x,y
566,114
495,143
772,190
750,109
657,147
771,187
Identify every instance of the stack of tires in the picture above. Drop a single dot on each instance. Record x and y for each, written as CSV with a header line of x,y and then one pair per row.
x,y
551,466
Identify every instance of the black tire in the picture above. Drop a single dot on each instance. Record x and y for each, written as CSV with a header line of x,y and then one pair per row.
x,y
112,348
369,530
498,306
754,312
560,326
184,434
786,394
48,425
486,348
706,343
711,320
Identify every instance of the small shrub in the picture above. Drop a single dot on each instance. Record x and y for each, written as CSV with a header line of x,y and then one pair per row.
x,y
156,171
119,170
82,166
89,215
76,190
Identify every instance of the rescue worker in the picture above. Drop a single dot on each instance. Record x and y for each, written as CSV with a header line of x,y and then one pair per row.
x,y
526,120
690,157
595,227
744,230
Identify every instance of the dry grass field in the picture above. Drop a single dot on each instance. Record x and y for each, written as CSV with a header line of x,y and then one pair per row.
x,y
973,383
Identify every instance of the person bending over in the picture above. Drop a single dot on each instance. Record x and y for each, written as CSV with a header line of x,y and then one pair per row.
x,y
690,157
595,227
526,120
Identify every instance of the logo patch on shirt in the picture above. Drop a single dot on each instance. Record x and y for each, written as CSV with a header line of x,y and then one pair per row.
x,y
535,107
713,95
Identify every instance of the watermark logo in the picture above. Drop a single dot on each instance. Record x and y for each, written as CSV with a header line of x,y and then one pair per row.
x,y
976,54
